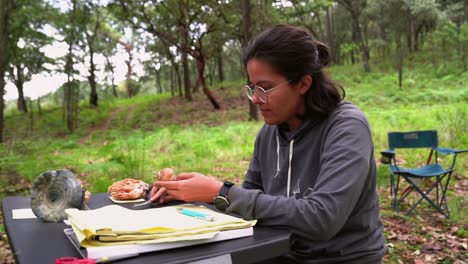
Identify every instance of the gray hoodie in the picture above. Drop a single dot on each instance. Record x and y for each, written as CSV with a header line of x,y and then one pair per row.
x,y
319,181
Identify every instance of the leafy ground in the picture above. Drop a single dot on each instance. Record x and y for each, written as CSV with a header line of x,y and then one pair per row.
x,y
136,137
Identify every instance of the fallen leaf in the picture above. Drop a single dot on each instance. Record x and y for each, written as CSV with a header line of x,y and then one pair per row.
x,y
427,257
454,229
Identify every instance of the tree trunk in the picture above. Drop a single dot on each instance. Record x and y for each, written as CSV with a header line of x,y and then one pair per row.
x,y
400,61
409,35
463,55
196,85
129,77
110,67
417,33
39,109
246,19
210,95
330,32
220,65
188,92
361,43
158,81
67,93
21,104
320,27
178,78
93,97
444,49
5,14
465,9
201,63
353,59
172,82
114,90
31,117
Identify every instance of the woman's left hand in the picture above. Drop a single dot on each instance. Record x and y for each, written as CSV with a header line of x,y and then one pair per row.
x,y
188,187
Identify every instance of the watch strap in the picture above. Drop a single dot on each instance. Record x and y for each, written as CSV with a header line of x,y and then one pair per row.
x,y
225,189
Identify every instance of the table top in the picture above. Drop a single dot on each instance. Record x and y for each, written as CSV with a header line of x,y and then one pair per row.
x,y
26,237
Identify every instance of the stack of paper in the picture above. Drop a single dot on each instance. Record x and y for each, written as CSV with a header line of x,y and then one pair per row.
x,y
115,225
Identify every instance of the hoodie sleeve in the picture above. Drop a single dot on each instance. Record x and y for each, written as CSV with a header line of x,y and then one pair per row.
x,y
320,215
253,177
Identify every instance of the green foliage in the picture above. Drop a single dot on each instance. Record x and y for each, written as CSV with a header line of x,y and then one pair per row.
x,y
138,136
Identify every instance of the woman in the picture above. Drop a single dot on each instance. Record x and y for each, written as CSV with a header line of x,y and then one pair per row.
x,y
313,169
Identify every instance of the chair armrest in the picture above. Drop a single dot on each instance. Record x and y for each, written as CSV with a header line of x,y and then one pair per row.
x,y
450,150
387,156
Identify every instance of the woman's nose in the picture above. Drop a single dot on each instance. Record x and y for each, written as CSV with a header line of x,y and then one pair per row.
x,y
256,100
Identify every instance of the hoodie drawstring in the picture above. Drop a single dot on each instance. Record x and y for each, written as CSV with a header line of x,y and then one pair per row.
x,y
277,157
291,149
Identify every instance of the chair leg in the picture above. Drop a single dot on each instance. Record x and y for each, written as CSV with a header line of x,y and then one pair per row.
x,y
424,195
396,204
439,202
443,199
392,190
405,193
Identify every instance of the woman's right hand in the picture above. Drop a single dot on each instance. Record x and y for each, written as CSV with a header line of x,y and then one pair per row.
x,y
188,187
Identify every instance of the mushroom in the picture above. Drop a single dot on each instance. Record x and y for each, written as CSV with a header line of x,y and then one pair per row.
x,y
165,174
128,189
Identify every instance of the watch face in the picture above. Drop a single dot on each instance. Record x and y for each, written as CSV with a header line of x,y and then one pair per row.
x,y
221,203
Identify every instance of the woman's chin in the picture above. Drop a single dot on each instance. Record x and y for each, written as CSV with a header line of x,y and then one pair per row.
x,y
270,121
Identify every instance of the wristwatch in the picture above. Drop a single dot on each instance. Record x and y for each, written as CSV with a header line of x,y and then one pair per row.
x,y
221,201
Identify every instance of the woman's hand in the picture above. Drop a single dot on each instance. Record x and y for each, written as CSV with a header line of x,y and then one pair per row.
x,y
188,187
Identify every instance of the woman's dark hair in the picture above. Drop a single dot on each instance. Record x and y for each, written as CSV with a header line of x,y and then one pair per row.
x,y
293,53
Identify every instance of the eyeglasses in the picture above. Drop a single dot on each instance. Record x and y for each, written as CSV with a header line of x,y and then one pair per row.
x,y
260,92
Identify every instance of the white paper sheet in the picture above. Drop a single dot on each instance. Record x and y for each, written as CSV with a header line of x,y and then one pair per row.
x,y
26,213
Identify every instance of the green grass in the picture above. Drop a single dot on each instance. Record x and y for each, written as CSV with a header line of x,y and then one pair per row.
x,y
136,137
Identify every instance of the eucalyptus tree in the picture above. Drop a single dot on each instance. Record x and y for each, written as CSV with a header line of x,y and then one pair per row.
x,y
108,47
109,68
194,28
414,18
308,14
356,10
115,33
70,24
27,39
244,36
6,12
92,19
156,61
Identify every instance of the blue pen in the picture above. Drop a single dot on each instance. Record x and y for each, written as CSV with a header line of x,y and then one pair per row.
x,y
195,214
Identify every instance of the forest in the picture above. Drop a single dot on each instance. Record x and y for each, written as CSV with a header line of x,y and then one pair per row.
x,y
151,84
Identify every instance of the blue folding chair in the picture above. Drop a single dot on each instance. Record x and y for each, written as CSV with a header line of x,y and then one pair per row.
x,y
432,169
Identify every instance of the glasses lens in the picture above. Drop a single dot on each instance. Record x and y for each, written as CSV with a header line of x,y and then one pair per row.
x,y
260,93
249,92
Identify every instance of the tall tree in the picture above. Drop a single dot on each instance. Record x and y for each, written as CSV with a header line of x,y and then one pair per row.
x,y
27,41
193,26
71,87
93,19
356,8
246,35
6,10
300,14
110,37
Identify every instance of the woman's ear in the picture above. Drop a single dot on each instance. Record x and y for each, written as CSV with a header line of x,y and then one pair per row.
x,y
305,83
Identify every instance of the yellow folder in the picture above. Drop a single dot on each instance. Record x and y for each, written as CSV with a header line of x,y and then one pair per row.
x,y
116,225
